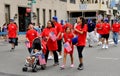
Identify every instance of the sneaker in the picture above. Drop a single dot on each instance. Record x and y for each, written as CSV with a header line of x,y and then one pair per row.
x,y
103,46
60,57
56,64
106,47
90,46
72,65
115,45
80,67
12,49
50,58
62,67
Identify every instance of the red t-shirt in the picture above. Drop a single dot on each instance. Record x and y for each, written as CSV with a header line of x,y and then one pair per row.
x,y
12,30
68,38
59,29
106,28
99,28
31,35
116,27
82,37
52,45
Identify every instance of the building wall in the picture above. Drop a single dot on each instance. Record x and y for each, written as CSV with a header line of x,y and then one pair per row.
x,y
59,6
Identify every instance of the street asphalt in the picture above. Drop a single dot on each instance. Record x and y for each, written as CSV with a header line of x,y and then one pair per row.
x,y
97,62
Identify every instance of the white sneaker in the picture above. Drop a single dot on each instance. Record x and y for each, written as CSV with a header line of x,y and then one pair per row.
x,y
60,57
103,46
106,47
50,58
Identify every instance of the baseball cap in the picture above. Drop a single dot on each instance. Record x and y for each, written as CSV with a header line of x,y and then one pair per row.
x,y
55,18
11,19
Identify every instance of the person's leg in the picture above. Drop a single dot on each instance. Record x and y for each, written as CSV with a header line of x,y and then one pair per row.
x,y
103,41
59,42
46,55
80,49
91,38
71,57
107,42
114,37
55,58
88,38
50,55
64,61
12,44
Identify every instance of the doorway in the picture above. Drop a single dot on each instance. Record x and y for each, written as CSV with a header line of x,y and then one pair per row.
x,y
24,19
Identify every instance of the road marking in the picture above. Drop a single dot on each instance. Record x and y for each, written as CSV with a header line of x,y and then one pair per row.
x,y
107,58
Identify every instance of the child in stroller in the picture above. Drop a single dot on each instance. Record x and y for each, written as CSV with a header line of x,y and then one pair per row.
x,y
36,58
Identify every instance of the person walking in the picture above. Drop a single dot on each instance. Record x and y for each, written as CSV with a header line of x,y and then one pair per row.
x,y
31,34
91,33
99,30
116,31
59,35
105,35
4,29
12,34
50,33
81,30
68,46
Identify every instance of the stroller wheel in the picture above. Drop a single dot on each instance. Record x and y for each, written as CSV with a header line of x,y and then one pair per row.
x,y
34,69
24,69
43,67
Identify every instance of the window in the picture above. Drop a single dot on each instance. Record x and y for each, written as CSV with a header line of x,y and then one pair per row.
x,y
7,13
44,14
50,14
90,14
64,0
38,16
72,1
55,13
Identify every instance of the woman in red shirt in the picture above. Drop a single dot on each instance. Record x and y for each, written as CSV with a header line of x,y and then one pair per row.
x,y
31,34
12,33
81,30
50,34
115,30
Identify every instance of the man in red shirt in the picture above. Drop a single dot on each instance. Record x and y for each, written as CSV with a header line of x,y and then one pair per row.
x,y
59,35
12,33
115,30
105,35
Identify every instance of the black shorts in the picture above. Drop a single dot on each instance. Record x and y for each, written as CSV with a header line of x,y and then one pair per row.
x,y
106,36
14,41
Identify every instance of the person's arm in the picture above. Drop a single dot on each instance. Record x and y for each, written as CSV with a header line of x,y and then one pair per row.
x,y
79,31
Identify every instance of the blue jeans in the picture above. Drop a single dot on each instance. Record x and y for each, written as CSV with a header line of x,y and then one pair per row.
x,y
115,37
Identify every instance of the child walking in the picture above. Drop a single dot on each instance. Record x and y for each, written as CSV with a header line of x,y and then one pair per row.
x,y
68,47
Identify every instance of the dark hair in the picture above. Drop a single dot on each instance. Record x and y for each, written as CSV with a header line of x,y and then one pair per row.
x,y
67,28
36,44
83,21
52,23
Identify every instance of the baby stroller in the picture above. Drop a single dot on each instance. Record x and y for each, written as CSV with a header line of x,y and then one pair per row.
x,y
36,58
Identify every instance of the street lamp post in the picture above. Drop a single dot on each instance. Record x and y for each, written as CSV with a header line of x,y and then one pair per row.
x,y
30,3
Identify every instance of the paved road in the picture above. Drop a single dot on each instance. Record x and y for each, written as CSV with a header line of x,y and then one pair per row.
x,y
97,62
